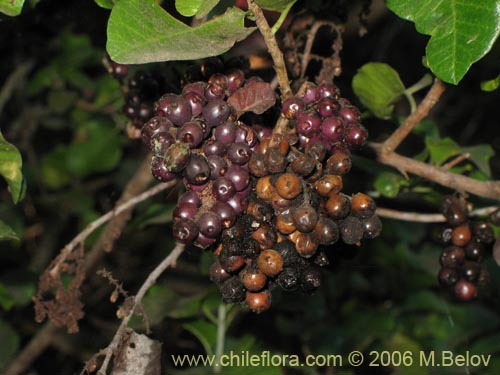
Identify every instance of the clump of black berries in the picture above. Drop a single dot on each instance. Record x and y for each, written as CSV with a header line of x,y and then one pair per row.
x,y
466,240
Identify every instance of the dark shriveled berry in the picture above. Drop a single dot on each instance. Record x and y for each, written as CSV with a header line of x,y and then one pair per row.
x,y
217,274
448,277
310,279
233,290
288,279
351,230
372,227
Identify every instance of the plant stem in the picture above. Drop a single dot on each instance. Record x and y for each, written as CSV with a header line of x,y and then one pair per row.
x,y
221,336
273,48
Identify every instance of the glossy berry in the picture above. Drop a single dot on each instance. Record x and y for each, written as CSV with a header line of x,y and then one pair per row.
x,y
465,291
174,107
355,136
306,244
362,206
461,235
210,224
288,185
326,231
338,206
191,133
223,188
308,124
270,262
160,170
332,129
292,107
197,171
328,184
216,112
217,274
372,227
339,163
305,218
253,279
258,302
225,212
483,232
185,231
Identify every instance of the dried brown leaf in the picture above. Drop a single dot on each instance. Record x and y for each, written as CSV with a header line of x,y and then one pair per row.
x,y
254,97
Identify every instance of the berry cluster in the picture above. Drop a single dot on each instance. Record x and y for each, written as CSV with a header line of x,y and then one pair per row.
x,y
196,136
272,201
462,268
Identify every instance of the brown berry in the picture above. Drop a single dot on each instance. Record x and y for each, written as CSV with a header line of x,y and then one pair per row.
x,y
284,222
264,188
328,184
452,257
265,236
288,185
275,161
339,163
338,206
362,206
326,231
217,274
257,165
461,235
253,279
465,291
258,302
303,164
306,245
279,142
305,218
270,262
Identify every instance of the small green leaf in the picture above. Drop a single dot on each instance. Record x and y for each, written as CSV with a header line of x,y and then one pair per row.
x,y
6,299
140,31
427,128
276,5
442,149
10,168
491,85
462,32
205,332
106,4
188,8
7,233
11,8
388,184
480,155
378,86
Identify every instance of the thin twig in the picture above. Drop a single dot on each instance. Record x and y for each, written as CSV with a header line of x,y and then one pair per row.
x,y
14,80
169,261
273,48
414,118
486,189
410,216
427,218
455,161
43,338
103,219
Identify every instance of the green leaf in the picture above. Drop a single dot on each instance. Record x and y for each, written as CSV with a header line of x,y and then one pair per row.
x,y
378,85
276,5
99,150
442,149
10,168
426,128
480,155
7,233
9,343
205,332
491,84
462,32
188,8
140,31
205,8
388,184
106,4
11,8
6,299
